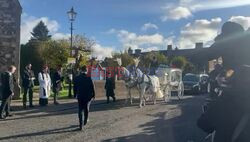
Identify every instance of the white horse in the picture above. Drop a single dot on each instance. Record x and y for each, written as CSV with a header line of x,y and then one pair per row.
x,y
147,85
130,83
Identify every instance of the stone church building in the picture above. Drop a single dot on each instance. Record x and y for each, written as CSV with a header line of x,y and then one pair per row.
x,y
10,20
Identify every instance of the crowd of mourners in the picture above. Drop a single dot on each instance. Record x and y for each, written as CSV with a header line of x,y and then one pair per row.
x,y
84,90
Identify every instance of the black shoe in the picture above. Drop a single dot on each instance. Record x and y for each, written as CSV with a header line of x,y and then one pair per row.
x,y
2,117
85,122
80,128
9,115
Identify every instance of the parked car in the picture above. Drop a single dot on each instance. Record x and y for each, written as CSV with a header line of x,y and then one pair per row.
x,y
191,84
195,84
204,83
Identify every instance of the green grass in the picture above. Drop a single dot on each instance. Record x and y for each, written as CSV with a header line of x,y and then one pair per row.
x,y
62,95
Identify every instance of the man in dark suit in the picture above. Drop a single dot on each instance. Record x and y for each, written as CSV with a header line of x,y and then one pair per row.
x,y
28,84
57,83
7,91
84,92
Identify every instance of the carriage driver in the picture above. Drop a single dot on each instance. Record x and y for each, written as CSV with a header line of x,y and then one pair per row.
x,y
153,66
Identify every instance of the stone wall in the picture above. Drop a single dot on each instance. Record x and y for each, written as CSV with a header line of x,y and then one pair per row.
x,y
120,90
10,19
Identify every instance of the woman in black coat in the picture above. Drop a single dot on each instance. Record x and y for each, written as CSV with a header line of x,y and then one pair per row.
x,y
110,86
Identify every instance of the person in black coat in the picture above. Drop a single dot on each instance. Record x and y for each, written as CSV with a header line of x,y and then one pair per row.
x,y
110,86
7,80
28,78
224,116
84,92
57,83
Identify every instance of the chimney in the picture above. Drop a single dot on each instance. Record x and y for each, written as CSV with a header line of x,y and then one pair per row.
x,y
199,45
170,47
137,51
130,51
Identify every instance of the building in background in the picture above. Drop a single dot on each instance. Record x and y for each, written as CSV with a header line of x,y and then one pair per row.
x,y
193,55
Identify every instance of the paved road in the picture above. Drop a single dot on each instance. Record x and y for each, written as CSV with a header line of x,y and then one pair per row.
x,y
164,122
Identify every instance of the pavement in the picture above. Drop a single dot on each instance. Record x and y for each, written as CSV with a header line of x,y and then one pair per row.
x,y
174,121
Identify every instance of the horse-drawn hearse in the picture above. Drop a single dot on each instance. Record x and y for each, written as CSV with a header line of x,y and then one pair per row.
x,y
170,81
161,85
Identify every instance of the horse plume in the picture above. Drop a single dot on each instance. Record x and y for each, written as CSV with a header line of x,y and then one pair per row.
x,y
137,61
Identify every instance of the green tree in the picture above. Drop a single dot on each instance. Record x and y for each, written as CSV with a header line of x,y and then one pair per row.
x,y
125,57
146,60
84,46
54,53
40,32
190,68
31,51
179,62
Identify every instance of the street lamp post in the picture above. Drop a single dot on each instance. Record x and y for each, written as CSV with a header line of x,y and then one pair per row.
x,y
72,16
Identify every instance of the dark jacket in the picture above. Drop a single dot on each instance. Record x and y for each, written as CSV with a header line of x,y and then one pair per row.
x,y
57,81
224,115
84,88
27,78
110,84
7,85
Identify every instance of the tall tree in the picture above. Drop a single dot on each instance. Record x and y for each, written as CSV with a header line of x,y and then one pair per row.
x,y
31,51
179,62
125,57
54,53
148,58
83,47
40,32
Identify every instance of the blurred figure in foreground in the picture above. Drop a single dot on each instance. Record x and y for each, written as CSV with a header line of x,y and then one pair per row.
x,y
84,92
229,115
213,76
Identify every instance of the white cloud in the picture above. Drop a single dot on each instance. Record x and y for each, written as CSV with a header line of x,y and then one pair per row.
x,y
148,26
200,31
145,42
185,8
101,52
133,38
244,21
29,22
176,13
58,36
197,5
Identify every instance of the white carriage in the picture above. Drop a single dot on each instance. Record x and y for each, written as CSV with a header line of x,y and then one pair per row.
x,y
170,81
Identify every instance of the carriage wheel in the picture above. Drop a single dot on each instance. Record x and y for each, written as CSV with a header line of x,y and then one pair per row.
x,y
180,91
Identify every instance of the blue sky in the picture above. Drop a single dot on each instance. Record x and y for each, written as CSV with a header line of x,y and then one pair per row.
x,y
145,24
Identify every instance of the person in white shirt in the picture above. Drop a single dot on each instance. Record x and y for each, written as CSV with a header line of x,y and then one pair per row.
x,y
45,86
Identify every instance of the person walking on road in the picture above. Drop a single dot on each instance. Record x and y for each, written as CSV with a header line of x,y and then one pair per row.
x,y
84,92
28,84
7,80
